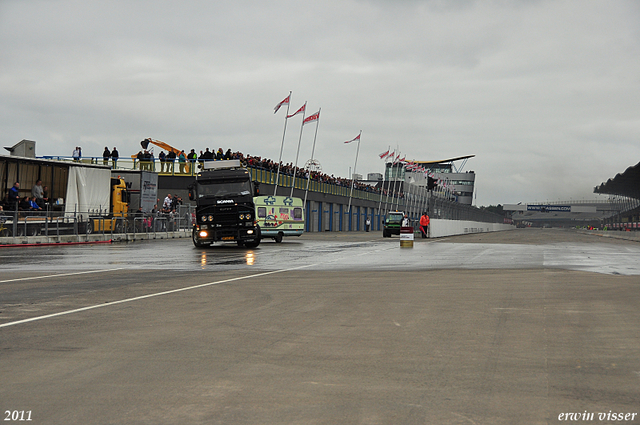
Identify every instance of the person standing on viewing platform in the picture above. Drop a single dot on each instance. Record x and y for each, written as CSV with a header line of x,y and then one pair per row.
x,y
182,159
38,192
208,155
171,158
162,157
192,157
151,162
146,161
166,205
201,160
105,156
114,157
13,196
77,153
139,158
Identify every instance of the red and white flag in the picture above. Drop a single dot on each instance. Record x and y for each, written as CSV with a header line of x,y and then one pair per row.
x,y
302,108
384,155
354,139
311,118
284,102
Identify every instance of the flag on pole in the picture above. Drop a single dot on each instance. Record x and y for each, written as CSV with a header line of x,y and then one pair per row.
x,y
354,139
284,102
384,155
298,111
311,118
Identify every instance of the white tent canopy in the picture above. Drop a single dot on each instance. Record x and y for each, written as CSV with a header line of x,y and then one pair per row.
x,y
88,190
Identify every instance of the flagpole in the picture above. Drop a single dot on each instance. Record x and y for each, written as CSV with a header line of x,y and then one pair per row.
x,y
395,180
275,189
386,202
313,150
295,166
353,180
398,197
383,177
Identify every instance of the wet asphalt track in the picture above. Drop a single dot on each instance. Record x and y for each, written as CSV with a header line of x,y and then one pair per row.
x,y
516,327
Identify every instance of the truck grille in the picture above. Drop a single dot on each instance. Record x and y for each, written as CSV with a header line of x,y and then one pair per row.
x,y
226,216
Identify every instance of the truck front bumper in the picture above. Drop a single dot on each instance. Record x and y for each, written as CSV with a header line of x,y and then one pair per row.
x,y
225,234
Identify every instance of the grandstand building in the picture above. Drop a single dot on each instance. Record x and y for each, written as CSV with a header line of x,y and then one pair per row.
x,y
625,187
453,182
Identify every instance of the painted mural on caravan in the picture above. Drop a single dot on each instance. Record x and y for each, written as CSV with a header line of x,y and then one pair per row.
x,y
279,216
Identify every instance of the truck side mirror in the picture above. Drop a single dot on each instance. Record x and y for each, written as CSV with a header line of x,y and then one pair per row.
x,y
256,188
192,195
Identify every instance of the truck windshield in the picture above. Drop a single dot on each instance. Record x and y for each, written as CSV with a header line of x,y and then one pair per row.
x,y
224,188
395,218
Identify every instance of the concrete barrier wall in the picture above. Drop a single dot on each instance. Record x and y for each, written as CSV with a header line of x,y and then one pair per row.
x,y
440,228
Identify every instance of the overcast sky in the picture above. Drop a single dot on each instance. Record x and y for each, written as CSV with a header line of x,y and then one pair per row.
x,y
544,93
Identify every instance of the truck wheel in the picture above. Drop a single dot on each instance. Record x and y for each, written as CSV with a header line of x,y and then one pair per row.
x,y
252,244
278,237
256,241
385,234
33,231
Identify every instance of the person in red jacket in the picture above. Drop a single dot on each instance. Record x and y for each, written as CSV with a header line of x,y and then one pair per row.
x,y
424,225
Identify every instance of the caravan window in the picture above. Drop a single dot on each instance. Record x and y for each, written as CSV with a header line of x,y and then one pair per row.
x,y
284,211
297,213
262,212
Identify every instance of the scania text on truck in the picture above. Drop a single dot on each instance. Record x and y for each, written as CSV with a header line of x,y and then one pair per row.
x,y
225,211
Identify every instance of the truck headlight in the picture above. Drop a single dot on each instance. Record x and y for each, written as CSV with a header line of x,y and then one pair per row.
x,y
248,216
203,218
241,216
210,218
203,234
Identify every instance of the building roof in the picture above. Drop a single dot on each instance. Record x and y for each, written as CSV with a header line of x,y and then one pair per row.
x,y
623,184
444,161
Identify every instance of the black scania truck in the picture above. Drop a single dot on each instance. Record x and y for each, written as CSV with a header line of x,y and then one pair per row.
x,y
224,205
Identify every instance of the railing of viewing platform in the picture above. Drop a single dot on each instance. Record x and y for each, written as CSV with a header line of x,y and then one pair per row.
x,y
261,175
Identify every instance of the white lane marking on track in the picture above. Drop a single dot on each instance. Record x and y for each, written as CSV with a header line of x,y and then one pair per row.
x,y
60,275
142,297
